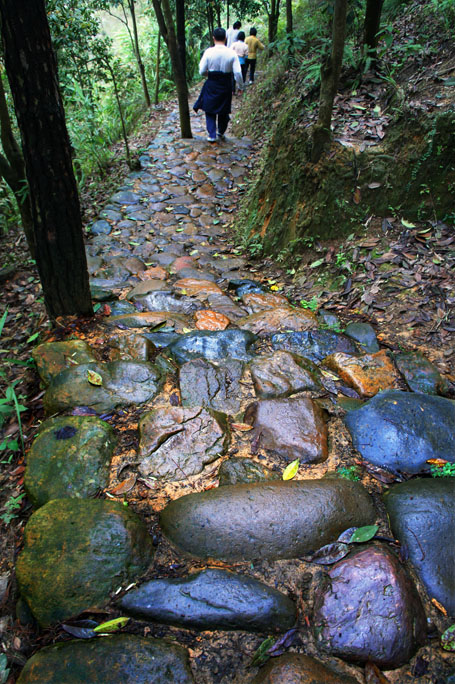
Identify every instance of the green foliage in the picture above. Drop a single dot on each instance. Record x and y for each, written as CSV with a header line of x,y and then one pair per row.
x,y
349,473
447,470
10,509
311,304
9,406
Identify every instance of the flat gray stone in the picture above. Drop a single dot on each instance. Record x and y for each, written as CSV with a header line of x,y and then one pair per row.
x,y
217,387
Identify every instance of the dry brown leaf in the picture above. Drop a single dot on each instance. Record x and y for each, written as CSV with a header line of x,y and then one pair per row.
x,y
242,427
124,486
439,606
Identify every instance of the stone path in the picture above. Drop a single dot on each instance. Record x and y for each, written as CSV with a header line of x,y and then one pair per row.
x,y
184,406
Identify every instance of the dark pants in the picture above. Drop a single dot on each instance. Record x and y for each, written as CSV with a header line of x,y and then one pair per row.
x,y
252,64
244,68
210,119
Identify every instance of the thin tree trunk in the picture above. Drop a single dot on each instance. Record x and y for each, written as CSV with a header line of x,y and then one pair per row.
x,y
227,13
180,30
371,27
138,53
12,169
273,16
330,74
120,110
166,25
157,71
210,22
32,72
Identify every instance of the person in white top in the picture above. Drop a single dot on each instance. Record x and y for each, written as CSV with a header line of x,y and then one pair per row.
x,y
241,50
232,33
219,63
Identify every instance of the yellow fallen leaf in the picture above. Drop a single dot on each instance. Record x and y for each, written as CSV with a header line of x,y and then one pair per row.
x,y
291,470
243,427
94,378
439,606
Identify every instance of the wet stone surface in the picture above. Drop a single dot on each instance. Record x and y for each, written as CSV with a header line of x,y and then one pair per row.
x,y
53,357
213,346
82,549
177,442
420,374
123,383
368,374
422,516
212,599
295,668
69,458
368,609
244,470
364,335
293,428
314,344
117,659
400,431
265,520
282,374
215,386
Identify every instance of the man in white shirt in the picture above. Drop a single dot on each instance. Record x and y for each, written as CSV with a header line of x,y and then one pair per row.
x,y
218,63
232,33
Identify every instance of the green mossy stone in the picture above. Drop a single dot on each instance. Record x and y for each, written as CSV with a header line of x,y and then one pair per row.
x,y
53,357
124,383
420,374
244,470
76,552
70,457
118,659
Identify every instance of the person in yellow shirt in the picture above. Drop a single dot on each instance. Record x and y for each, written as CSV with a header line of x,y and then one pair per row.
x,y
254,44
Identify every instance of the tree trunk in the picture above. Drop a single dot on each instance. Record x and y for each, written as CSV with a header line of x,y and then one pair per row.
x,y
157,71
12,169
138,52
289,27
273,16
330,74
166,25
371,26
120,109
180,27
32,72
210,18
227,13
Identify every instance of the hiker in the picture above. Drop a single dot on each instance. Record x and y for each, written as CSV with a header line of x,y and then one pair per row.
x,y
241,50
254,44
218,63
232,33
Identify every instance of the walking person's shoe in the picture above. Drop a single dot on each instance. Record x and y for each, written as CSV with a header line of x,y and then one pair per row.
x,y
221,136
211,140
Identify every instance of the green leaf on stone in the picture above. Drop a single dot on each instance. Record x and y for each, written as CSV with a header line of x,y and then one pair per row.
x,y
112,625
363,534
408,224
317,263
448,639
291,470
261,656
94,378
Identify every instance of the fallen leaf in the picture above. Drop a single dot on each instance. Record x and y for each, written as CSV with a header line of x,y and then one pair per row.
x,y
439,606
363,534
291,470
243,427
94,378
357,196
112,625
261,656
328,554
373,675
283,643
124,486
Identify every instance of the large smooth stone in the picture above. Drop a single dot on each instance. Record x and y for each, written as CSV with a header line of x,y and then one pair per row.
x,y
364,335
117,659
70,457
124,383
76,552
314,344
147,286
224,344
206,319
420,374
266,520
368,609
152,319
166,301
177,442
281,374
368,374
278,318
131,347
100,227
216,387
212,599
296,668
125,197
244,470
422,517
53,357
261,301
293,428
399,431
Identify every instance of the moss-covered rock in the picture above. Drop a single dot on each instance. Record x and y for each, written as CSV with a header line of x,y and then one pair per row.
x,y
76,553
119,659
53,357
70,457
